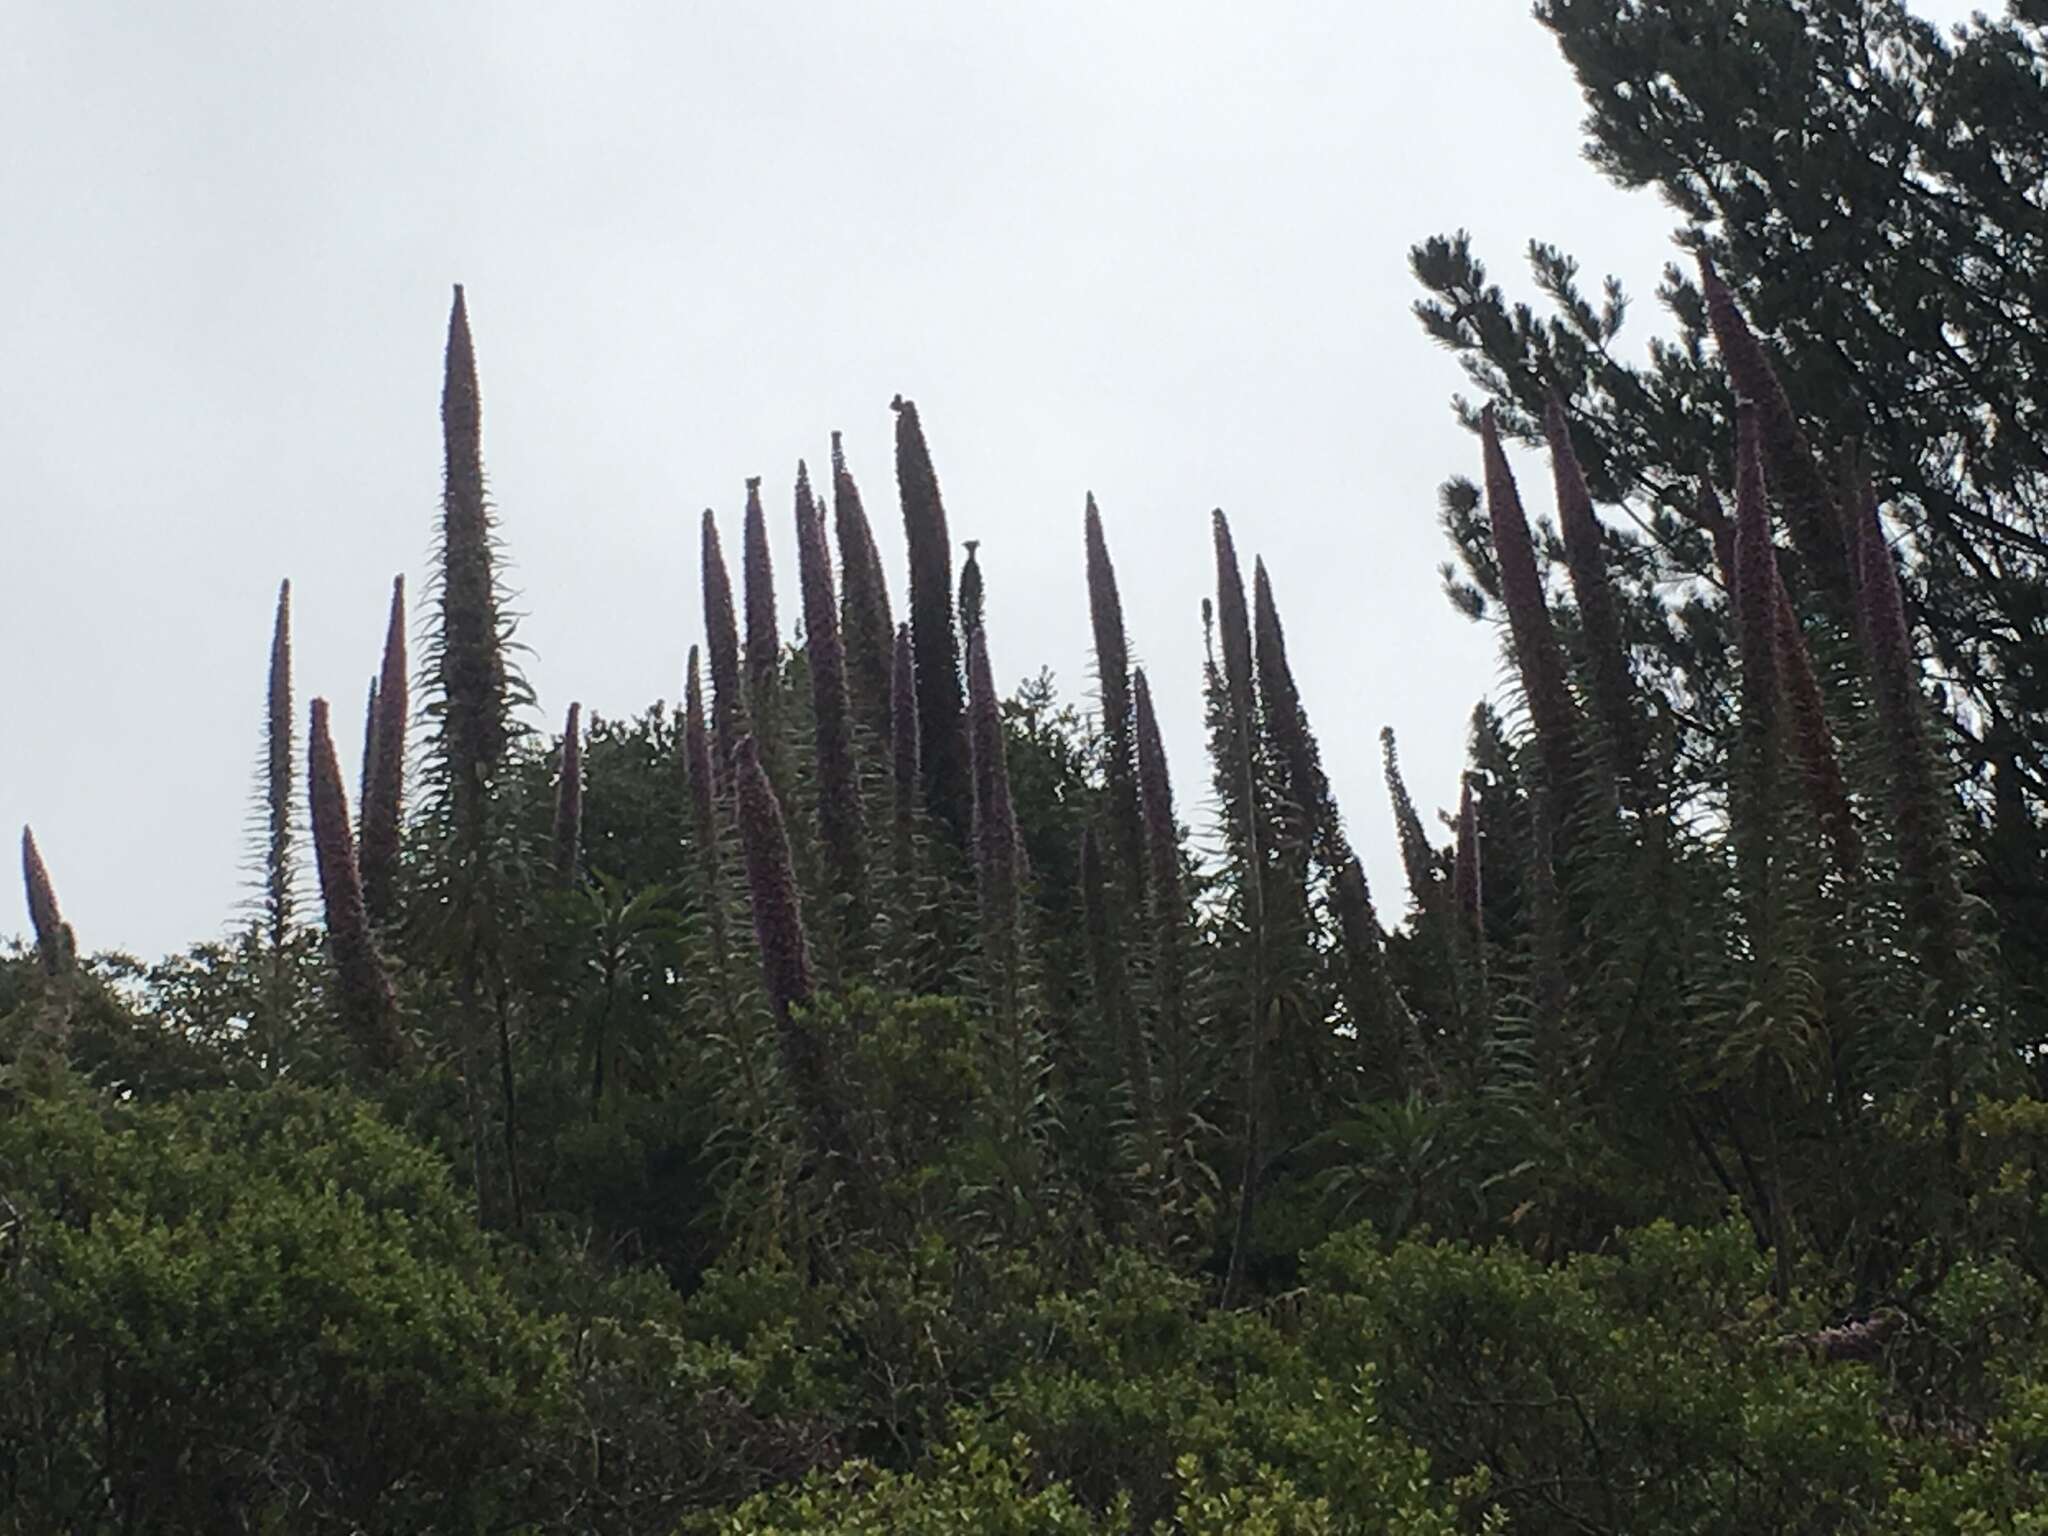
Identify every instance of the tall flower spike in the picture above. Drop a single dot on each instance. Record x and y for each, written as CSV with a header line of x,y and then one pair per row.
x,y
1113,678
996,862
764,635
1368,993
369,764
868,631
841,824
1162,857
1467,890
471,661
1820,768
722,647
1918,809
1418,859
771,883
971,595
903,743
941,730
1537,656
368,1008
1613,687
1810,511
1112,992
384,776
55,945
1707,512
1287,727
278,872
569,801
1756,622
785,948
697,765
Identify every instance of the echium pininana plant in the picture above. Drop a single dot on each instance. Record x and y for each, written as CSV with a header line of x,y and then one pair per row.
x,y
279,873
1167,906
1918,806
1810,512
702,777
997,852
1755,813
1537,655
470,667
868,631
368,1008
1306,802
972,595
369,760
785,947
1811,737
842,826
1418,858
1113,680
1368,992
948,792
1607,663
764,633
474,689
384,774
1238,780
1708,513
722,650
55,945
1113,996
568,839
906,777
1468,933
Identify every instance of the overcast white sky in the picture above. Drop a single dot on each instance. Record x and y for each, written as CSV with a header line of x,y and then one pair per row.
x,y
1153,250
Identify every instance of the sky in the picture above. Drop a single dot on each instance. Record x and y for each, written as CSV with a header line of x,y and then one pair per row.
x,y
1154,251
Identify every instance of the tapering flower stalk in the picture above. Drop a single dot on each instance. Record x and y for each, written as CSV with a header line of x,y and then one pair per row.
x,y
1537,656
369,762
996,850
1168,906
1756,622
842,826
1812,740
1468,948
906,775
368,1008
972,597
1113,679
1367,989
1113,995
948,792
1607,664
1810,511
279,873
785,947
868,630
702,777
1467,878
1707,512
384,774
471,661
1918,804
764,634
568,840
56,947
1306,789
1248,840
474,685
729,719
1418,859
